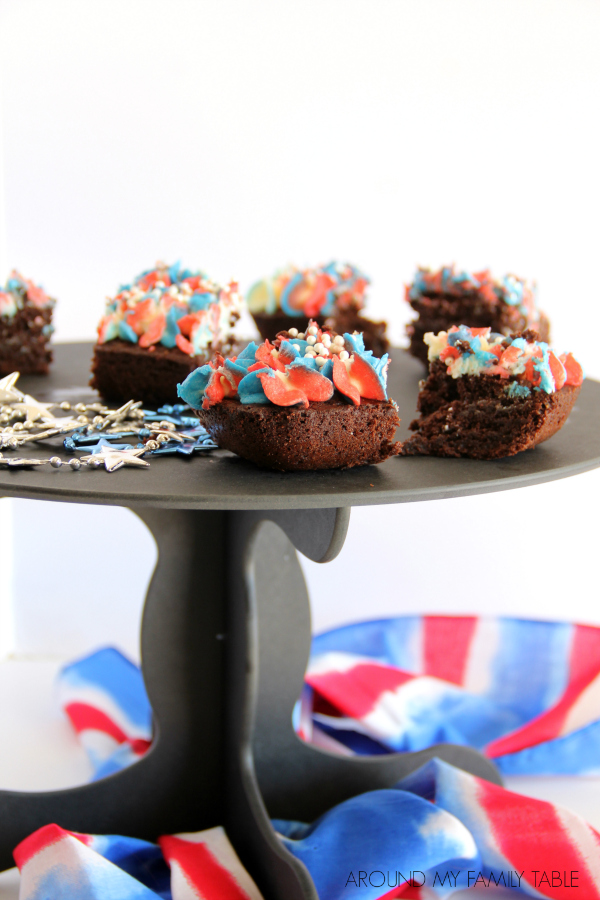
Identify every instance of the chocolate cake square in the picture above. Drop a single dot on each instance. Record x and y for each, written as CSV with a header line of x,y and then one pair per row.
x,y
158,329
450,297
25,327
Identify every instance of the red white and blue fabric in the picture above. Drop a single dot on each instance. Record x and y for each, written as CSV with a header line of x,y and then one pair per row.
x,y
435,832
440,830
105,699
525,693
55,863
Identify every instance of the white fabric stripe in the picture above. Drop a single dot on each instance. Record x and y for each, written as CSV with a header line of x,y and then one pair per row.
x,y
394,710
417,647
332,662
586,843
98,744
478,676
326,742
219,845
305,719
82,863
584,710
181,889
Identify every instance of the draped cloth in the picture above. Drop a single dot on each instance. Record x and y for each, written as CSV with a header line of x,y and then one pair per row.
x,y
522,691
436,831
525,693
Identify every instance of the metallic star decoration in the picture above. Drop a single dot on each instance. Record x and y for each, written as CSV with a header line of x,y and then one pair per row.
x,y
24,421
18,462
116,459
8,391
62,423
97,449
33,409
119,415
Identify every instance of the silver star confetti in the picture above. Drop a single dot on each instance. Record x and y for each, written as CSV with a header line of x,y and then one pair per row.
x,y
116,459
8,391
24,419
17,462
32,409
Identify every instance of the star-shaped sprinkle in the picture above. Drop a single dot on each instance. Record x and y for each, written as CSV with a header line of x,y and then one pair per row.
x,y
8,391
116,459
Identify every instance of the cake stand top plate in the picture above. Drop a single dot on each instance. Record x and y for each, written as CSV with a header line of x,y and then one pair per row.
x,y
221,480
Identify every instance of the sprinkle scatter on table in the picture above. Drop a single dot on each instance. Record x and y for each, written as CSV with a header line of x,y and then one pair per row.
x,y
110,438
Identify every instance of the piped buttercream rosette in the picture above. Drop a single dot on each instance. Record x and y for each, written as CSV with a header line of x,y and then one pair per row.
x,y
293,370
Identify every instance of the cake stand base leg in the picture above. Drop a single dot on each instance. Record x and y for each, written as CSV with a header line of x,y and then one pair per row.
x,y
225,643
271,772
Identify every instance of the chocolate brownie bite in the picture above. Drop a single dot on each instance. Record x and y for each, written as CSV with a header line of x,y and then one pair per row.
x,y
448,297
490,396
317,402
158,329
25,327
333,296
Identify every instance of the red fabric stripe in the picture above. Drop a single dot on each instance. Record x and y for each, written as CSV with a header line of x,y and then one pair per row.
x,y
42,838
140,746
406,891
37,841
356,691
584,666
511,816
203,871
544,727
84,716
584,663
446,644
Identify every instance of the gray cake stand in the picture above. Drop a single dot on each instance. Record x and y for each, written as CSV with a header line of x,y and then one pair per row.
x,y
226,630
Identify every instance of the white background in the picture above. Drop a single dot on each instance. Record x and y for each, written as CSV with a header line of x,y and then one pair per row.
x,y
240,136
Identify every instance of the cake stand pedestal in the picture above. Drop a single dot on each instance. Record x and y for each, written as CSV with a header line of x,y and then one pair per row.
x,y
226,631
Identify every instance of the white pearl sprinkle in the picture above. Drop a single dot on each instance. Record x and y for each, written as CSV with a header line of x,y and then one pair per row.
x,y
326,340
311,339
344,354
296,346
312,330
338,339
293,332
319,347
320,361
301,335
310,352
